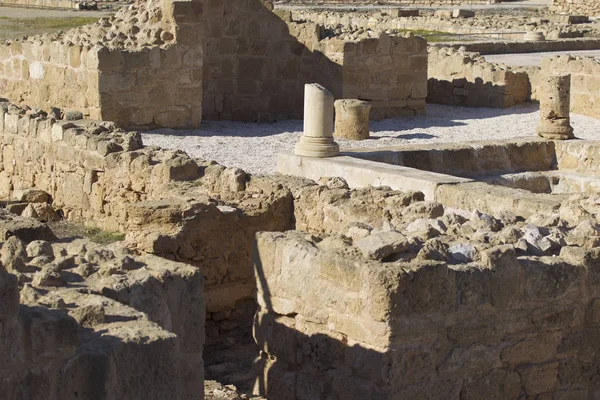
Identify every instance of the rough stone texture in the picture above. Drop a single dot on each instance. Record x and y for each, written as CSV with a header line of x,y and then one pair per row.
x,y
429,3
166,203
495,46
351,22
109,323
501,326
555,107
168,63
577,7
461,78
118,69
352,119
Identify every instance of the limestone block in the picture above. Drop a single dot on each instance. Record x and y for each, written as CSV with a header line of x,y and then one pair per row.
x,y
460,13
352,119
74,56
58,130
11,123
37,70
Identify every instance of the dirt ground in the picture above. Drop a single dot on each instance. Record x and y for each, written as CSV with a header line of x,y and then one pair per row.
x,y
18,22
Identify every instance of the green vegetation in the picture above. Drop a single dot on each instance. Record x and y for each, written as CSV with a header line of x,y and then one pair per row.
x,y
68,229
435,36
45,24
104,237
14,28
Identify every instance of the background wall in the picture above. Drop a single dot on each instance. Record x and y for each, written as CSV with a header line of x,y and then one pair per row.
x,y
465,79
581,7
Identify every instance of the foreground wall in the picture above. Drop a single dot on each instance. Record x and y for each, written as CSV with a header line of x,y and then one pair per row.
x,y
105,324
333,325
164,200
459,78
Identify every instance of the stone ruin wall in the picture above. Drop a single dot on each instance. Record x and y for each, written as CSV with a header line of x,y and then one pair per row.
x,y
167,203
504,327
87,327
577,7
257,61
385,19
135,76
495,46
326,310
425,3
232,60
337,320
460,78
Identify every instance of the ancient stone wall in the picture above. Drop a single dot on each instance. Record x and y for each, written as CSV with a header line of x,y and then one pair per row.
x,y
465,79
167,203
585,81
92,321
331,325
577,7
439,22
392,297
506,46
132,75
427,3
256,63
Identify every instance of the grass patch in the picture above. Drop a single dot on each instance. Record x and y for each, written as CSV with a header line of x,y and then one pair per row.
x,y
104,237
68,229
435,36
45,24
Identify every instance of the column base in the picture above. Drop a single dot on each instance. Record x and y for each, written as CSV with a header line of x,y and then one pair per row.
x,y
556,132
317,147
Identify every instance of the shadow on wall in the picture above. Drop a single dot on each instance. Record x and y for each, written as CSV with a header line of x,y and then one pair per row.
x,y
309,366
254,68
509,328
460,92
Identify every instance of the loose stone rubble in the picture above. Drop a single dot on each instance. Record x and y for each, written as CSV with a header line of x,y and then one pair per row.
x,y
80,320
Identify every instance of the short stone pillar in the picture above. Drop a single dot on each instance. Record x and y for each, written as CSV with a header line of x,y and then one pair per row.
x,y
317,140
534,37
352,119
555,107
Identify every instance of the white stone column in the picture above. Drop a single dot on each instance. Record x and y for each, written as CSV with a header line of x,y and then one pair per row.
x,y
317,140
555,108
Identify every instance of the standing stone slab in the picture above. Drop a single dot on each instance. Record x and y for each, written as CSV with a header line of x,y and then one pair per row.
x,y
555,105
352,119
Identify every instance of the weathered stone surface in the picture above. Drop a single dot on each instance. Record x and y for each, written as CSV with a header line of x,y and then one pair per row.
x,y
382,244
140,333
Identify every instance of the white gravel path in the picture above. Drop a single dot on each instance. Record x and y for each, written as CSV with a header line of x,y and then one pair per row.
x,y
254,147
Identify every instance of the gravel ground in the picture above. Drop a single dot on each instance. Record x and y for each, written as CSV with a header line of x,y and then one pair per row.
x,y
254,147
